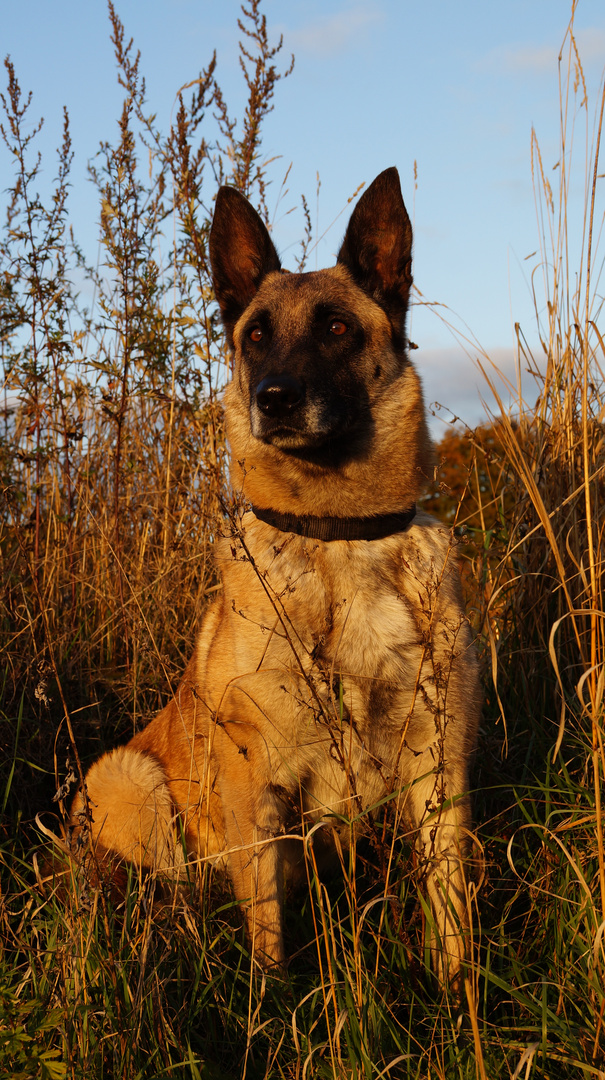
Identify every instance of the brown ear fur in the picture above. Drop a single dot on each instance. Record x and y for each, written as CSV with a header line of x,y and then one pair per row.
x,y
377,248
241,254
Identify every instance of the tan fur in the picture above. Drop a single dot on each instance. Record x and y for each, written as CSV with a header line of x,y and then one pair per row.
x,y
329,676
133,811
400,454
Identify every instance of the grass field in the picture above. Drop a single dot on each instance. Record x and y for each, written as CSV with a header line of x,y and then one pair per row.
x,y
113,468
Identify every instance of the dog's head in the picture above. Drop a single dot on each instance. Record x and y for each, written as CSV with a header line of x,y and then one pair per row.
x,y
314,352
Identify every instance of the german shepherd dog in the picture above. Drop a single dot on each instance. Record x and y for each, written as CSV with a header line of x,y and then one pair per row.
x,y
336,671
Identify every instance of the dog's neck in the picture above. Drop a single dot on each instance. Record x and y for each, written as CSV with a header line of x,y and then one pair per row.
x,y
376,527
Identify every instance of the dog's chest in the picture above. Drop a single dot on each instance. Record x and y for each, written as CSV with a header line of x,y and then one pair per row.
x,y
367,624
331,646
357,613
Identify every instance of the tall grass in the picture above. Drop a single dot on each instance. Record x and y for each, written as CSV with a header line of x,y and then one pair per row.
x,y
113,478
533,505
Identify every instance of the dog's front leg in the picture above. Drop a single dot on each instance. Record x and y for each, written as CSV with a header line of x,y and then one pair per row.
x,y
252,824
442,844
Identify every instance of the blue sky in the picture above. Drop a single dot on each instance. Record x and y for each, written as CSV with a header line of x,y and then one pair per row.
x,y
454,87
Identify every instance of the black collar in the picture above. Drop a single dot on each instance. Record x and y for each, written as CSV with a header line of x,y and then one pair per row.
x,y
334,528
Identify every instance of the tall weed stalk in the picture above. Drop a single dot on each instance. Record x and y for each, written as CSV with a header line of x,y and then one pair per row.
x,y
112,450
531,484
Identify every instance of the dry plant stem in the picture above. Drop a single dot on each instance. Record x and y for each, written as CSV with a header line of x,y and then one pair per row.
x,y
67,717
170,426
596,636
595,1049
51,652
472,1012
331,982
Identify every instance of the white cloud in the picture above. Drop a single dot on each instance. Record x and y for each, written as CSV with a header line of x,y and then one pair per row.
x,y
455,387
541,59
333,33
591,45
522,59
529,58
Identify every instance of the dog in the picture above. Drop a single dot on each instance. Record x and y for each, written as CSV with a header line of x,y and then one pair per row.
x,y
336,672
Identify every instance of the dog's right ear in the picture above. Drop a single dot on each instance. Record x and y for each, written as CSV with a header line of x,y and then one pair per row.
x,y
241,254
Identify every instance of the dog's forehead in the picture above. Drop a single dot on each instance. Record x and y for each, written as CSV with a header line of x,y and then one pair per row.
x,y
296,297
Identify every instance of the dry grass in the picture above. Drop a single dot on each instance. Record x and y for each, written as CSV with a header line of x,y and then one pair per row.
x,y
112,458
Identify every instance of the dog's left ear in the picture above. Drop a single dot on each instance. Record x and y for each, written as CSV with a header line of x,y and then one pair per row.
x,y
377,248
241,254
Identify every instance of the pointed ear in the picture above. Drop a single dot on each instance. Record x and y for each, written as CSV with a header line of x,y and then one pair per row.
x,y
241,253
377,248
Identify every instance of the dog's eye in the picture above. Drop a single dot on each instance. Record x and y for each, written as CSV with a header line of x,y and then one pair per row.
x,y
337,327
255,334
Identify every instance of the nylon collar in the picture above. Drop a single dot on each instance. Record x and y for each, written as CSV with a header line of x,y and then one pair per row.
x,y
334,528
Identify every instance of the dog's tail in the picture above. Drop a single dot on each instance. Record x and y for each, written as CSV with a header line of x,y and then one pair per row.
x,y
129,809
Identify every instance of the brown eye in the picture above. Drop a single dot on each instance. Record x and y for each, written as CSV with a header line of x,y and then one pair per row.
x,y
337,327
255,334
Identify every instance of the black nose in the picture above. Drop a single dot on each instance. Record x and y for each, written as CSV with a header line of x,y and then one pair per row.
x,y
279,395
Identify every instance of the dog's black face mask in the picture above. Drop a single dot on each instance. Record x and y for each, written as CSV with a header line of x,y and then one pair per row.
x,y
314,351
302,350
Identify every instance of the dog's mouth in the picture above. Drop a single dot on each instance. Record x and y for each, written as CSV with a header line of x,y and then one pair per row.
x,y
329,447
286,414
308,430
292,440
